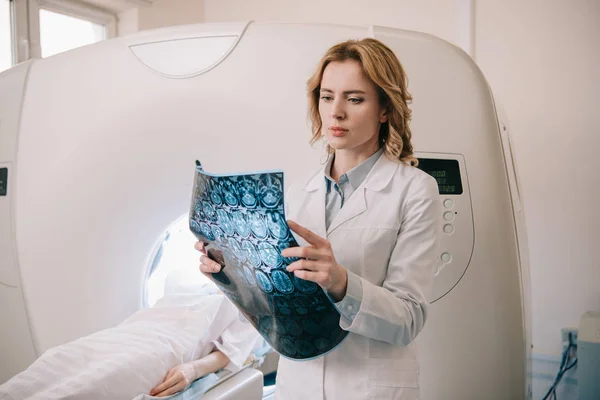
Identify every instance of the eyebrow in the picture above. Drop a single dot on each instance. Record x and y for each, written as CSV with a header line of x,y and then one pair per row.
x,y
346,92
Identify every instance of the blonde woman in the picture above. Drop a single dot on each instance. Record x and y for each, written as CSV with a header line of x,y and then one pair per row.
x,y
369,219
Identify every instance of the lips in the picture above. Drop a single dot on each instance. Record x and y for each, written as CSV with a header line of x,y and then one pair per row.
x,y
337,131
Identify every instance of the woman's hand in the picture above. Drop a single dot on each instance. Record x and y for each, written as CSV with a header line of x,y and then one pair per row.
x,y
320,265
177,379
207,266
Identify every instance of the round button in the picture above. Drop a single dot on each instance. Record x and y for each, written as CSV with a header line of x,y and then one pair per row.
x,y
349,307
448,216
446,257
448,228
448,203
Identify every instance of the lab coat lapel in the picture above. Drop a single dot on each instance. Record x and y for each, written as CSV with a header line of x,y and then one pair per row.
x,y
314,208
378,178
356,205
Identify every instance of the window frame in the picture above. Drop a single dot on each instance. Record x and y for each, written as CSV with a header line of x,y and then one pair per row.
x,y
26,19
11,18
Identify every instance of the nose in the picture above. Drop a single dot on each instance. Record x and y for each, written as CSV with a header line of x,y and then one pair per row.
x,y
337,110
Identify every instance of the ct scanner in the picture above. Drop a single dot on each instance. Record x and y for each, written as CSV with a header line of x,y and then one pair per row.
x,y
97,151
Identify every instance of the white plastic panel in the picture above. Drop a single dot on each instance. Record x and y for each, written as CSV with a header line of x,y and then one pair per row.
x,y
521,236
184,57
16,346
12,82
185,32
246,384
186,50
9,272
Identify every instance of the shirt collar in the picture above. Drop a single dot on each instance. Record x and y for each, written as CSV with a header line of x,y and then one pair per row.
x,y
356,175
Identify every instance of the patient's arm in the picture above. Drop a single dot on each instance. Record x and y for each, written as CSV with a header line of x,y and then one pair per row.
x,y
182,376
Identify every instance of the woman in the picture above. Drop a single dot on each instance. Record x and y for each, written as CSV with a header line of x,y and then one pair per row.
x,y
369,219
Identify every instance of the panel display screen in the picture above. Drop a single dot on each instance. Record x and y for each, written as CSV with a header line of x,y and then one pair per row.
x,y
3,183
445,172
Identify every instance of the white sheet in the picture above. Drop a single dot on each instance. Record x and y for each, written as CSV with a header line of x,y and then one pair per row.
x,y
131,358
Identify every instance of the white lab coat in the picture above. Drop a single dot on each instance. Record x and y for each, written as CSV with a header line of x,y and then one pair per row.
x,y
386,235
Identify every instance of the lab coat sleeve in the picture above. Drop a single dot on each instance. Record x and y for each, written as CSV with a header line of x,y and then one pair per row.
x,y
396,311
237,342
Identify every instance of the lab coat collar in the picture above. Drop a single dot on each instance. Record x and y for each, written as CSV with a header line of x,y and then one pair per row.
x,y
379,177
376,180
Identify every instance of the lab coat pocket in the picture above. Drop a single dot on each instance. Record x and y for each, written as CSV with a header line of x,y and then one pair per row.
x,y
396,380
393,373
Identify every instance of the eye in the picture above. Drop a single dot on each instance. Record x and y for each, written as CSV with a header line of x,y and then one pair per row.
x,y
326,98
355,100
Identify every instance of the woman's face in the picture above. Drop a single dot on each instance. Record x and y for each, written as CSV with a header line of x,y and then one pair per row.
x,y
350,109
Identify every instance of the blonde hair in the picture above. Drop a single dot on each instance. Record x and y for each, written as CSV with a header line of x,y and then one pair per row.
x,y
383,68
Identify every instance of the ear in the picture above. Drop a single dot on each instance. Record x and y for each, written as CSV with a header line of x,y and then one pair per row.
x,y
383,115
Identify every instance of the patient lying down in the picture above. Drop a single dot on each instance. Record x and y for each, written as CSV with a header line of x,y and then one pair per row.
x,y
157,351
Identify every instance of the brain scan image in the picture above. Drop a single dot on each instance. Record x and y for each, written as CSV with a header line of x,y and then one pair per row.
x,y
241,220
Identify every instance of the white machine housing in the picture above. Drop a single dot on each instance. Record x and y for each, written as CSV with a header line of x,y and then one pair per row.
x,y
99,145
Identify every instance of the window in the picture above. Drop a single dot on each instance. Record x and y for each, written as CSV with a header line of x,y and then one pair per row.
x,y
59,32
174,268
6,50
56,26
42,28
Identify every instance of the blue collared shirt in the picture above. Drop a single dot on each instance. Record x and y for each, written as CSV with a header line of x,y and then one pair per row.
x,y
338,193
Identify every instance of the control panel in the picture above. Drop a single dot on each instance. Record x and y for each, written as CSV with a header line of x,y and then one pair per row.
x,y
455,221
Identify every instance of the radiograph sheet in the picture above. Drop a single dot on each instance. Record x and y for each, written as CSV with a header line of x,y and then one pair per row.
x,y
241,219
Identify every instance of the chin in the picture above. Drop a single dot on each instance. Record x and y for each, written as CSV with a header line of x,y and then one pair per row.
x,y
338,143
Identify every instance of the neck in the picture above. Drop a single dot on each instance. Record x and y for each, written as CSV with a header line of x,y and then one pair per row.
x,y
345,160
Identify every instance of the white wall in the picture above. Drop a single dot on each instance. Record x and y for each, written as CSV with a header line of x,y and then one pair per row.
x,y
128,22
162,13
448,19
542,60
171,12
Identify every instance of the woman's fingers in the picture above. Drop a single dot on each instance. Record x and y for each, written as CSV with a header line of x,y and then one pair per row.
x,y
308,265
200,247
171,372
208,266
157,388
303,252
308,235
167,383
320,278
178,387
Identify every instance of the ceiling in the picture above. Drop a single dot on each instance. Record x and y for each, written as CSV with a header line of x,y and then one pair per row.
x,y
117,6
